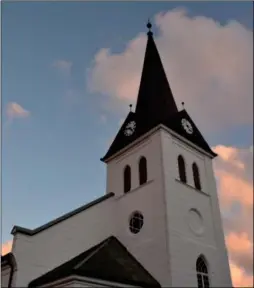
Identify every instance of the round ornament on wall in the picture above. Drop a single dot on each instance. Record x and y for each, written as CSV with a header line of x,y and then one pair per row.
x,y
195,221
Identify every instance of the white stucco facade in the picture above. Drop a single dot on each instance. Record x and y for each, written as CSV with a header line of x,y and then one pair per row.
x,y
189,237
168,244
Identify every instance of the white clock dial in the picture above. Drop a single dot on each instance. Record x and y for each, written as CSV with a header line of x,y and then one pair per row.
x,y
130,128
187,126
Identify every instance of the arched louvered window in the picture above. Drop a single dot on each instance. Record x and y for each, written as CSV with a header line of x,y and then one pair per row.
x,y
142,170
127,179
202,273
196,176
181,168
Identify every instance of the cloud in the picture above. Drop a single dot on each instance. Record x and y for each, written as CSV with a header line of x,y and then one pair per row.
x,y
6,247
14,110
234,174
63,66
241,250
240,278
209,67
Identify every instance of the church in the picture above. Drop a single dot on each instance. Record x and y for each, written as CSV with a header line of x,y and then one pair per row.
x,y
159,222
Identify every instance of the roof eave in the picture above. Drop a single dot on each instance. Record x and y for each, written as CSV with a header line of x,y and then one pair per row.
x,y
31,232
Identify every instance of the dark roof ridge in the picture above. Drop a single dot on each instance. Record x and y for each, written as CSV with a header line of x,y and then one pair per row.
x,y
31,232
74,267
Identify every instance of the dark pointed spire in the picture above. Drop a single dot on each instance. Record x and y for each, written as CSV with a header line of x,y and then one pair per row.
x,y
155,101
155,105
149,26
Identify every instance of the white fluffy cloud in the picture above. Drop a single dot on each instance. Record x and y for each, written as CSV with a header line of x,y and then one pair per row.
x,y
234,173
6,247
209,67
14,110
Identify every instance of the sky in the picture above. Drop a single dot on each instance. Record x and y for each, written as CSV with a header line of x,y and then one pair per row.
x,y
69,72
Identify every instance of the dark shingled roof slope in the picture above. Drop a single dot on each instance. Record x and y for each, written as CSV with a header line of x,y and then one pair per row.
x,y
155,105
108,261
174,123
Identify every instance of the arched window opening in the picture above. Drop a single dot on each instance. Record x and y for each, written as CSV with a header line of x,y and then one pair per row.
x,y
202,273
127,179
142,170
196,176
181,168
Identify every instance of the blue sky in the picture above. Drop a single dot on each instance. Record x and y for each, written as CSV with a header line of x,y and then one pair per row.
x,y
51,159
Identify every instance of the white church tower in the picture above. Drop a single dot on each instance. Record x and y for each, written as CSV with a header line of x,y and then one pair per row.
x,y
159,223
160,168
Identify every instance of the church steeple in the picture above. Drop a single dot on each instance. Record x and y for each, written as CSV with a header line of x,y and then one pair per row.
x,y
155,101
155,106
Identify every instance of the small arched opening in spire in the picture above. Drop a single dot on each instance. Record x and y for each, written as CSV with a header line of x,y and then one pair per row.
x,y
142,170
196,176
202,273
127,179
181,169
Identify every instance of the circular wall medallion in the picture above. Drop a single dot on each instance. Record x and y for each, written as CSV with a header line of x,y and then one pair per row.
x,y
136,222
195,220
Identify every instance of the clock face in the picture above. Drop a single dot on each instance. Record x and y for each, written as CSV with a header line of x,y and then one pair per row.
x,y
187,126
130,128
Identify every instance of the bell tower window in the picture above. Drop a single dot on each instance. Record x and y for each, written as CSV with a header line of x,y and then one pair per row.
x,y
181,168
142,170
127,179
196,176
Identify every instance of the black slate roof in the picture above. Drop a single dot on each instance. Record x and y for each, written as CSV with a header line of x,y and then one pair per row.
x,y
108,261
173,122
155,101
155,105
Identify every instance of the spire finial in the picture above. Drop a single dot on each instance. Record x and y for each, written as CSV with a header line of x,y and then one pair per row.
x,y
130,106
183,104
149,26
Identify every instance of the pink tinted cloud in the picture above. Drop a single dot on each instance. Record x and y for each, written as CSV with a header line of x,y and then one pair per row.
x,y
234,169
6,247
240,279
209,67
14,110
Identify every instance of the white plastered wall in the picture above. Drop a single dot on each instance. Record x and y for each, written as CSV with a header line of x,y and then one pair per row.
x,y
149,246
185,244
38,254
165,246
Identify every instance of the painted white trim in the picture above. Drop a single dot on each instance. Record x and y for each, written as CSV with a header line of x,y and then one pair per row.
x,y
132,144
165,209
134,189
186,141
132,151
193,188
86,280
152,131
